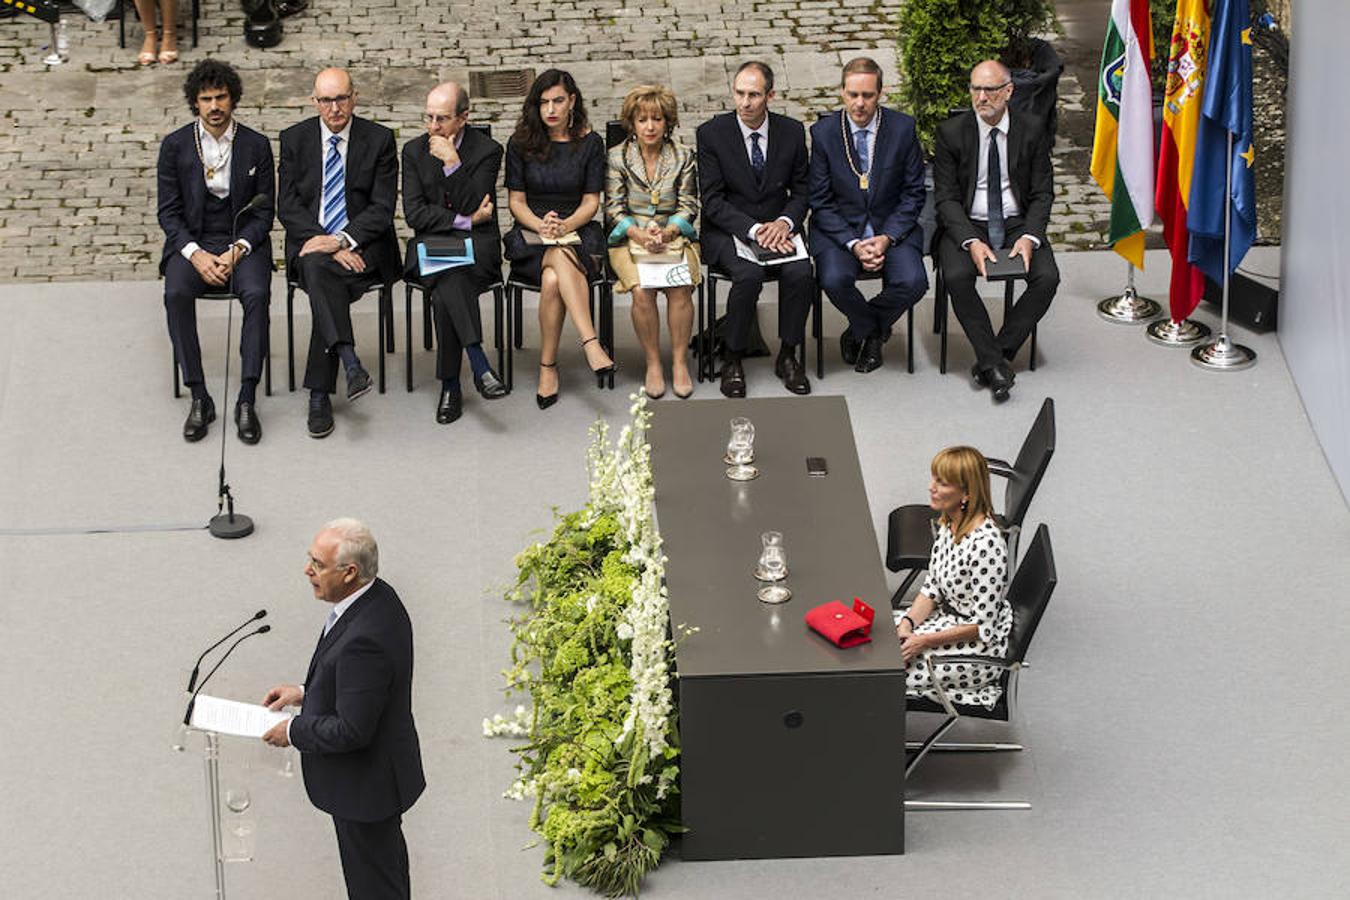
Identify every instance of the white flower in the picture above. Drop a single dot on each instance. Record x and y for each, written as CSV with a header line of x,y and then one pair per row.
x,y
624,631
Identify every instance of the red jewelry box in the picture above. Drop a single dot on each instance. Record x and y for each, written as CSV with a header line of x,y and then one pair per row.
x,y
840,625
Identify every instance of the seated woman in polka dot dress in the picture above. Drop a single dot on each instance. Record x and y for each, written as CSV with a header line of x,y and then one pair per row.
x,y
961,610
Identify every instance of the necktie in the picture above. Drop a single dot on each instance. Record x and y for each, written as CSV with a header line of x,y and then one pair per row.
x,y
860,150
994,192
756,154
334,189
331,620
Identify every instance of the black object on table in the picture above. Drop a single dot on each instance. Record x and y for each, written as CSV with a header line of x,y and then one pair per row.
x,y
790,746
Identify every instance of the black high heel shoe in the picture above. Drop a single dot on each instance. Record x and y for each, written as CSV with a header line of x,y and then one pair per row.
x,y
607,370
539,399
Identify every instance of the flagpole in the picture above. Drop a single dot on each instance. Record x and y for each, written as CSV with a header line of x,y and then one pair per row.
x,y
1222,355
1128,308
1185,333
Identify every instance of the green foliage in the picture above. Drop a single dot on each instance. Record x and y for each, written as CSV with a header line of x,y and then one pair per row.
x,y
604,805
942,40
1163,14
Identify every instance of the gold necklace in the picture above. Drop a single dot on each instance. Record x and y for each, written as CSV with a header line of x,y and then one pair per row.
x,y
224,156
848,151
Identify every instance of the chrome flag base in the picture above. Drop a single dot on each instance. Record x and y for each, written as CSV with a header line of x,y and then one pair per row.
x,y
1223,355
1177,334
1129,308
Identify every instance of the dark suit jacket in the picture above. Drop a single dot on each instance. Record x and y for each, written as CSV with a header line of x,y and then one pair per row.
x,y
431,200
372,191
733,198
840,209
182,190
956,169
355,732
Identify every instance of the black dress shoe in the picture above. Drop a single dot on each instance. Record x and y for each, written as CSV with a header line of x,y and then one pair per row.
x,y
247,422
201,414
981,376
849,347
789,368
320,422
290,7
451,406
358,383
733,379
869,358
1000,381
489,386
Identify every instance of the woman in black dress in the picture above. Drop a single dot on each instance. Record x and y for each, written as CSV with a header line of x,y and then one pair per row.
x,y
555,171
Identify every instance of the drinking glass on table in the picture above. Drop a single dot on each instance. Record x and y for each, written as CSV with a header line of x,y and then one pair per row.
x,y
772,558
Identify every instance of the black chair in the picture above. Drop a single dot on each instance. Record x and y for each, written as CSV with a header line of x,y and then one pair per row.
x,y
941,300
267,348
122,22
386,317
909,532
708,305
1027,594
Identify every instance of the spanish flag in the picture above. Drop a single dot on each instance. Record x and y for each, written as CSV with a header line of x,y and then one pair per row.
x,y
1186,67
1122,146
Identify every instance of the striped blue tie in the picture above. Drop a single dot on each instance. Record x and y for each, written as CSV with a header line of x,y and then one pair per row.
x,y
334,189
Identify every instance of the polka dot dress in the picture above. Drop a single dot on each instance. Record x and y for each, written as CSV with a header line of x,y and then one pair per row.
x,y
966,581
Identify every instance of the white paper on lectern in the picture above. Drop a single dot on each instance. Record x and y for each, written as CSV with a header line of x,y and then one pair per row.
x,y
232,717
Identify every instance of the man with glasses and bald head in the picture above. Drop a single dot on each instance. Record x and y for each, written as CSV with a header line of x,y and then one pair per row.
x,y
450,191
993,186
337,187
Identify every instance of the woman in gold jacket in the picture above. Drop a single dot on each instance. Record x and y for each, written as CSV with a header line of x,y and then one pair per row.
x,y
651,202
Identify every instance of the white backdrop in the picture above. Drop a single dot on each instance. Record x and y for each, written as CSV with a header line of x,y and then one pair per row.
x,y
1314,326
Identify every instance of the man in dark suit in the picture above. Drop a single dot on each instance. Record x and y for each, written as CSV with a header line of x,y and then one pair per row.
x,y
449,189
866,193
752,172
358,745
338,183
993,186
209,173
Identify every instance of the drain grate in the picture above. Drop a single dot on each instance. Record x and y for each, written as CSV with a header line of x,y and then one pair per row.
x,y
497,83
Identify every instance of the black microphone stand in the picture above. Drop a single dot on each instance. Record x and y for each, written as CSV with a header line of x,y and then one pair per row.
x,y
226,523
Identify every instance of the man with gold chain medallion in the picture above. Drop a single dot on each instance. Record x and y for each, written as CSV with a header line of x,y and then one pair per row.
x,y
866,193
210,173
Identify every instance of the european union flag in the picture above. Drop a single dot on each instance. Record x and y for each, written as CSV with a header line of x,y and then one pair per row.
x,y
1227,109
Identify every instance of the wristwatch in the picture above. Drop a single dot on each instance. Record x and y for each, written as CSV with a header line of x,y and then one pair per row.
x,y
343,242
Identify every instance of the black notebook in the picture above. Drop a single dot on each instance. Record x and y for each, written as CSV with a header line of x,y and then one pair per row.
x,y
445,246
1007,267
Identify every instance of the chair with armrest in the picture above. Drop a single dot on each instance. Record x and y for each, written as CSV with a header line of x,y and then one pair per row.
x,y
909,532
1027,594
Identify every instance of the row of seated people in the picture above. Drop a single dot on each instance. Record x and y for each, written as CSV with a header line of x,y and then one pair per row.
x,y
751,177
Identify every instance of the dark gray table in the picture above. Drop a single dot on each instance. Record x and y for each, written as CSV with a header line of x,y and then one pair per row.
x,y
790,746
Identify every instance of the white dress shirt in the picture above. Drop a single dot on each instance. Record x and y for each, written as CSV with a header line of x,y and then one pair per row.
x,y
217,154
763,132
345,140
979,204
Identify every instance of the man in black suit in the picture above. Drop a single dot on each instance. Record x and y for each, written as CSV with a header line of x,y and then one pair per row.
x,y
752,172
449,189
338,183
984,213
358,745
209,172
866,193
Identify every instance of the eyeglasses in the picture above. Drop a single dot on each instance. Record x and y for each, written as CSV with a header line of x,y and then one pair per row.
x,y
339,100
988,89
433,119
317,566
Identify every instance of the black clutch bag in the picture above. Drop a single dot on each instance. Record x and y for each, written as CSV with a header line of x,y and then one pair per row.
x,y
444,246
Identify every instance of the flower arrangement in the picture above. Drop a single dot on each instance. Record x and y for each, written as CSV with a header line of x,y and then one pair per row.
x,y
593,651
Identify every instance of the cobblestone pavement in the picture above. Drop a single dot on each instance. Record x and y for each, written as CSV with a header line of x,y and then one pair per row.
x,y
79,142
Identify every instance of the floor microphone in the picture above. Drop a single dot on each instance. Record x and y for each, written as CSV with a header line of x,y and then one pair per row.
x,y
192,682
187,716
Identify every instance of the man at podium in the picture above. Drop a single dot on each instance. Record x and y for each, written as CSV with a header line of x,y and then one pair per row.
x,y
355,733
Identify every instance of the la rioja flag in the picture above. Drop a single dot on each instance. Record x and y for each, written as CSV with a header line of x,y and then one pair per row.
x,y
1122,146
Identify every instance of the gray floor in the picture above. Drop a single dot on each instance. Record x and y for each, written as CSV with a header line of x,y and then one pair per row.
x,y
1180,716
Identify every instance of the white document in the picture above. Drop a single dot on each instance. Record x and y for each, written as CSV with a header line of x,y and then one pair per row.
x,y
232,717
663,274
744,252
